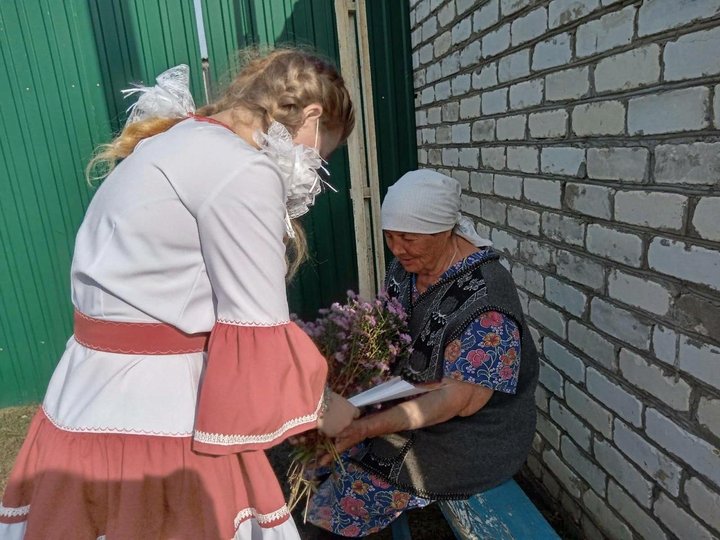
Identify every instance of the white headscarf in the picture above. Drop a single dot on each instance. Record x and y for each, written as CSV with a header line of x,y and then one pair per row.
x,y
427,202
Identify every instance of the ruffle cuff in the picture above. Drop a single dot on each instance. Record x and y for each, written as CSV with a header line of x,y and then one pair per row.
x,y
261,385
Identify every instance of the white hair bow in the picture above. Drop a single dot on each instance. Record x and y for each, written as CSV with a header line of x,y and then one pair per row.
x,y
170,97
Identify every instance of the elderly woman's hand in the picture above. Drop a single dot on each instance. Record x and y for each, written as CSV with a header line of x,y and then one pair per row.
x,y
338,416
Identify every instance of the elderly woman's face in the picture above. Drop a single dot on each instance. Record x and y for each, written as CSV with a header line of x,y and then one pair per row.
x,y
418,253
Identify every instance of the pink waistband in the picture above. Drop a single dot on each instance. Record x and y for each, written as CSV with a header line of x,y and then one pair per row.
x,y
136,338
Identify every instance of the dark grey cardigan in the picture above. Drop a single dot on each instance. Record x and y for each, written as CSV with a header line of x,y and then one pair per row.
x,y
465,455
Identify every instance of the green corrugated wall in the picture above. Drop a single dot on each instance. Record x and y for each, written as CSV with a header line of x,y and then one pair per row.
x,y
62,65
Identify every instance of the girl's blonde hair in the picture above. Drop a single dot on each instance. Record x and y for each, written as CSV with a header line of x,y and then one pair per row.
x,y
275,85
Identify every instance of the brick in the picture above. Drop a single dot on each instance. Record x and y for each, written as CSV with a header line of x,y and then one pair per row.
x,y
633,514
665,343
541,398
470,107
548,124
632,69
564,360
695,163
427,96
497,41
493,157
483,230
592,344
650,459
590,531
485,77
660,15
422,156
486,16
671,390
511,127
463,5
537,254
563,160
612,244
470,205
481,182
562,12
551,379
553,52
495,101
568,84
620,324
463,177
691,263
420,118
622,470
461,84
523,219
566,296
419,78
461,134
682,524
567,478
504,241
708,415
444,134
548,317
469,156
493,211
450,157
508,7
429,28
614,527
435,156
700,360
549,431
599,118
696,452
522,158
446,14
451,112
683,110
461,31
434,115
483,130
592,474
425,54
716,106
529,26
590,200
528,278
526,94
580,270
706,218
471,54
509,187
514,66
571,424
612,30
624,164
703,501
693,55
562,228
543,192
450,64
614,397
639,292
589,410
422,10
443,91
664,211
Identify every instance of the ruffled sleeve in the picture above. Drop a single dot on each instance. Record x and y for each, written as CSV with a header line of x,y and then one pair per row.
x,y
264,377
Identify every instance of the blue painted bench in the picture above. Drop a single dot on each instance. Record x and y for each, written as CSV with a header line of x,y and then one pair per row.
x,y
501,513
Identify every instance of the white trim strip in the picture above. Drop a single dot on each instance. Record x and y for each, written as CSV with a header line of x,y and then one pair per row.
x,y
6,511
221,439
114,431
261,518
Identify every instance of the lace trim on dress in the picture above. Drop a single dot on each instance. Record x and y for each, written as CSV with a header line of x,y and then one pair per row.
x,y
261,518
233,322
221,439
115,431
15,512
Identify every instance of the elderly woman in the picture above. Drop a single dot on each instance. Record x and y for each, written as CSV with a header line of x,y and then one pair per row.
x,y
469,332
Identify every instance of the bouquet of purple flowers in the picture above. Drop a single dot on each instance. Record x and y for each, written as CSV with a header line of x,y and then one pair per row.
x,y
361,340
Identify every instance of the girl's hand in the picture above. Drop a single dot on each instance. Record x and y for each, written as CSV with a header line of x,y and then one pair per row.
x,y
338,415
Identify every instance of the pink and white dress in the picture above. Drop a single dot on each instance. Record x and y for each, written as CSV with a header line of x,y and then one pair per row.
x,y
143,433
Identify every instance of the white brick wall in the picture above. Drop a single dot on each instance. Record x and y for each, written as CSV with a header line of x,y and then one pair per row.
x,y
586,136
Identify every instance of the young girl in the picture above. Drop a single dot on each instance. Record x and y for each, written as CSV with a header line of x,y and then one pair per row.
x,y
184,366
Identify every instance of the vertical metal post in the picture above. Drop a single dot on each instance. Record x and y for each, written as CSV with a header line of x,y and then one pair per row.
x,y
202,41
